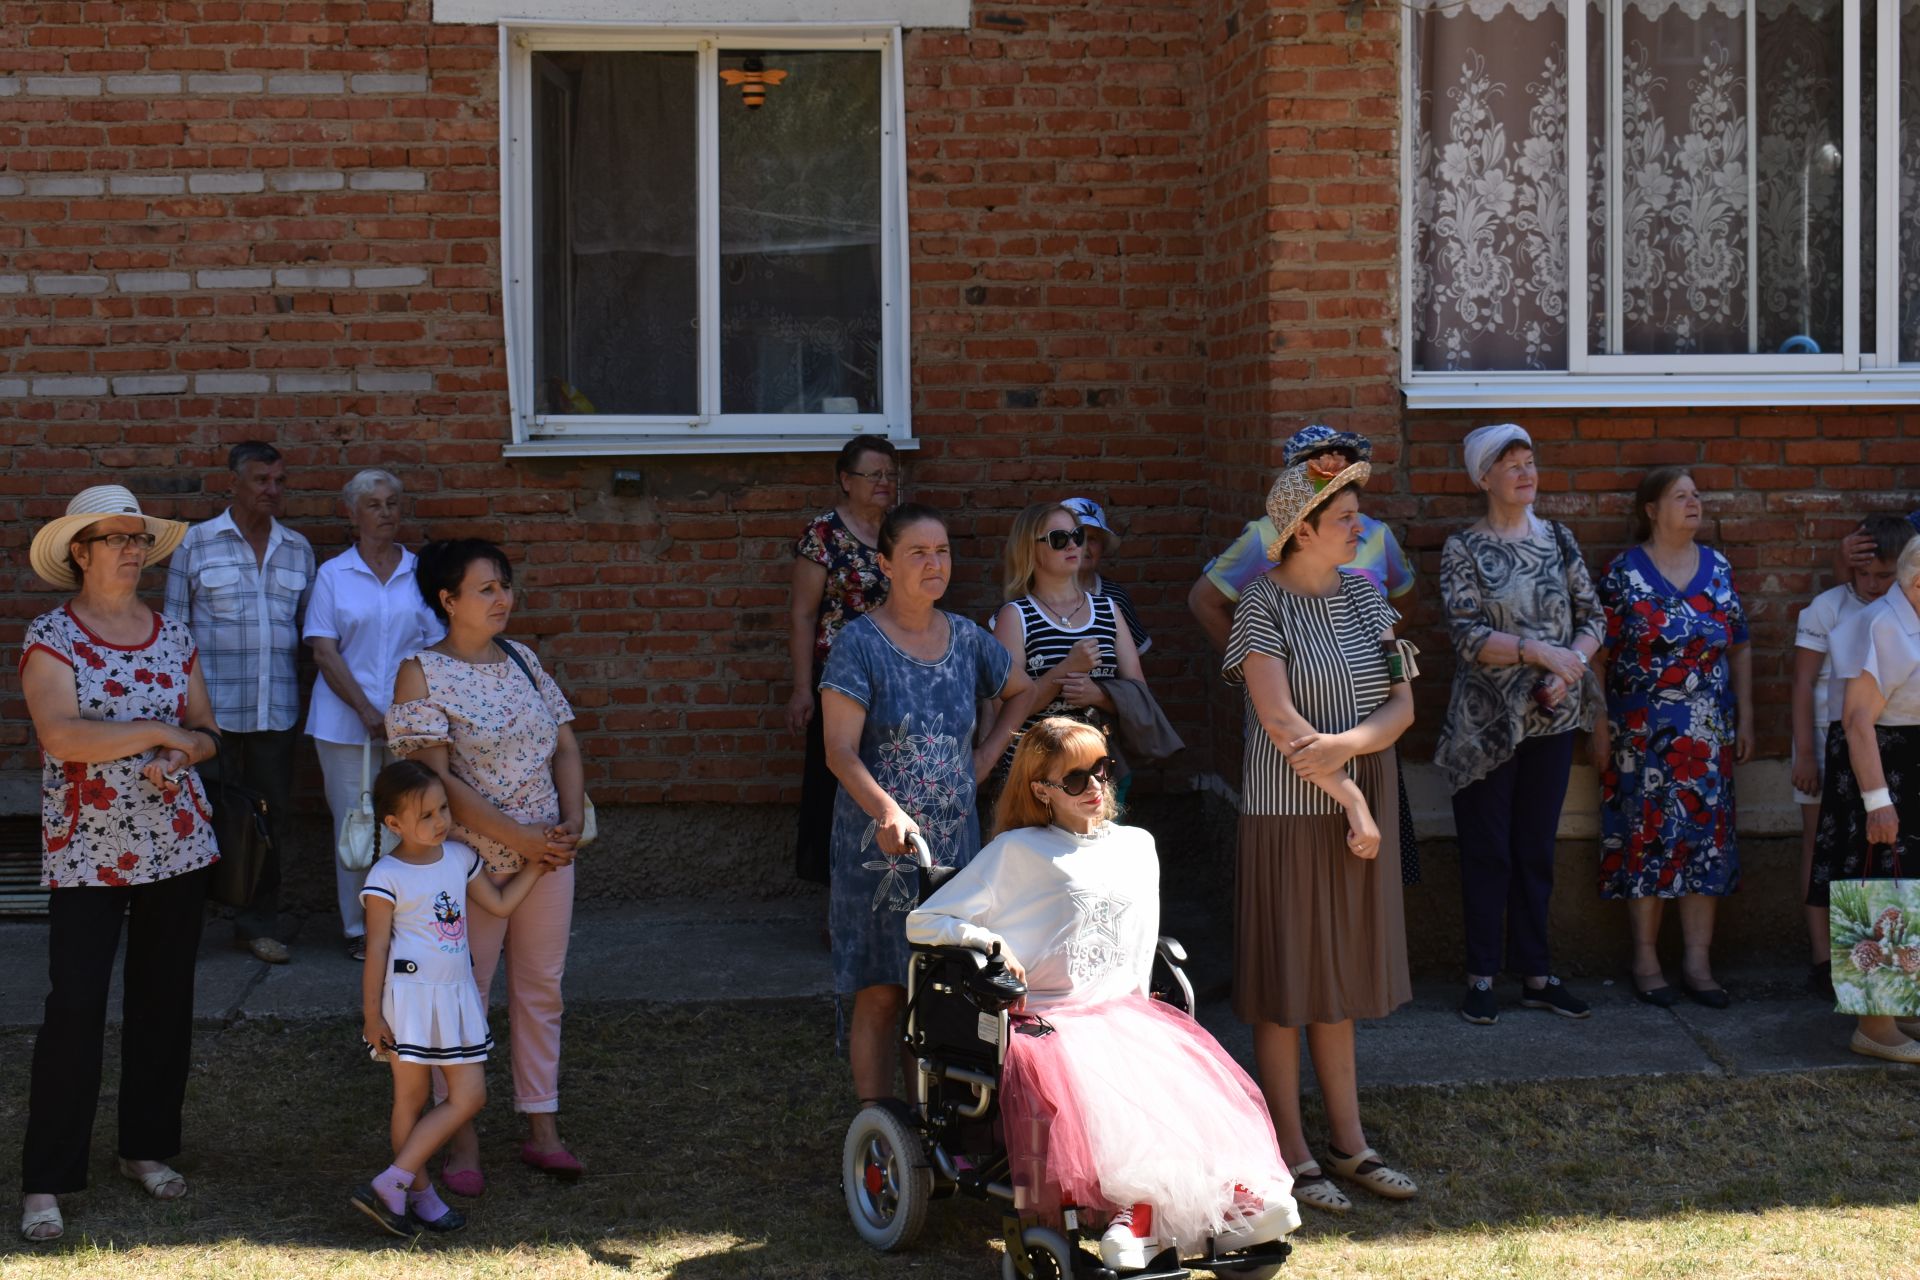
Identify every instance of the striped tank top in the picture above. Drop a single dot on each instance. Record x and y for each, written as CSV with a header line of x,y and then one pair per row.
x,y
1047,642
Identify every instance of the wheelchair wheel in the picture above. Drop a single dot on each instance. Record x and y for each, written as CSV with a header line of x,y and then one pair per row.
x,y
884,1171
1048,1251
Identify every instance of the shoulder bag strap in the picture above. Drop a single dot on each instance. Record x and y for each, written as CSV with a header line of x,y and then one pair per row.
x,y
513,656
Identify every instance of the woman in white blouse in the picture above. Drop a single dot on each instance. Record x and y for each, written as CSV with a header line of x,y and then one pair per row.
x,y
365,618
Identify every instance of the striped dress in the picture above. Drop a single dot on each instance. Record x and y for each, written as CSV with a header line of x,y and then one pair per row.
x,y
1320,935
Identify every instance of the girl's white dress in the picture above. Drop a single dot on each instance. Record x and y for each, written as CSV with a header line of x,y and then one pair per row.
x,y
431,1004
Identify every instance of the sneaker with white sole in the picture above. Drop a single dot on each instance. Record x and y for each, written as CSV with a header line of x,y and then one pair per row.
x,y
1258,1218
1129,1243
1479,1006
1554,998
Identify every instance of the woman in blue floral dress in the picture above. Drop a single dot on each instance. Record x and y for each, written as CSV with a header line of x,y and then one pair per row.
x,y
1679,686
898,699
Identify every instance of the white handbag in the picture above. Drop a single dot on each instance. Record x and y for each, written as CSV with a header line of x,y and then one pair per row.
x,y
362,839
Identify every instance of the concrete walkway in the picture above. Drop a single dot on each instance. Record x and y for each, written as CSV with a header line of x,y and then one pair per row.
x,y
699,952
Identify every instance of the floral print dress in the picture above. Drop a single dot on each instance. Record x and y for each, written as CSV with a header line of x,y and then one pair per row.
x,y
1666,795
500,734
854,581
917,742
103,823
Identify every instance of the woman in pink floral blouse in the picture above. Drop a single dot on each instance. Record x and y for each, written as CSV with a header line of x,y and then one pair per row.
x,y
121,715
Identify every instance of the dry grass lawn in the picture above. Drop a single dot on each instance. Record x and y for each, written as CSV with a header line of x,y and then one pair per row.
x,y
713,1136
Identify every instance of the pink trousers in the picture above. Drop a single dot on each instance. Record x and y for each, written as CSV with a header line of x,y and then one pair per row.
x,y
535,941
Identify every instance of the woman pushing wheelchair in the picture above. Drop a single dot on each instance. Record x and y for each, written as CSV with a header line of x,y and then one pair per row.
x,y
1111,1101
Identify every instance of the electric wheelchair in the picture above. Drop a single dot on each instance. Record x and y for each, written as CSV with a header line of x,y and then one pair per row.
x,y
900,1157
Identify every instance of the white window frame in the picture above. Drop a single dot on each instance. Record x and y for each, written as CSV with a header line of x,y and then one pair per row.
x,y
708,430
1850,376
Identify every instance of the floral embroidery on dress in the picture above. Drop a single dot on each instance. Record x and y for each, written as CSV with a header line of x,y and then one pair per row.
x,y
500,734
104,823
854,581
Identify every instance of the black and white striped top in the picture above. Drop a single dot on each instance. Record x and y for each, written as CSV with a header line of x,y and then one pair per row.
x,y
1047,642
1118,594
1335,672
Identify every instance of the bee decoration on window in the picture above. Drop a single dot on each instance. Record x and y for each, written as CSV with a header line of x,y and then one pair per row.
x,y
753,80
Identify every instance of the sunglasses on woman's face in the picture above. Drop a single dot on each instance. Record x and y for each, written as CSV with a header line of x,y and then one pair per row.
x,y
1075,781
1059,538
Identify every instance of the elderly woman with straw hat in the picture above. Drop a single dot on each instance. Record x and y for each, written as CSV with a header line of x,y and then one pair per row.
x,y
1320,939
1524,620
121,714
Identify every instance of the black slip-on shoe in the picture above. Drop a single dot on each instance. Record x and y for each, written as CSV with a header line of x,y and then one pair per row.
x,y
1478,1006
1555,998
368,1201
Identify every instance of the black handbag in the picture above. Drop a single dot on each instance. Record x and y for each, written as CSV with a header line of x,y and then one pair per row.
x,y
240,830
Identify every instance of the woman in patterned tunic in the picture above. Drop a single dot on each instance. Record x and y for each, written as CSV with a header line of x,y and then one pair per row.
x,y
836,578
1679,682
121,714
898,698
1319,938
1524,620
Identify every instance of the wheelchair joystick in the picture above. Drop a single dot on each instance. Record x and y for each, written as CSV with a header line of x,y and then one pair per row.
x,y
994,985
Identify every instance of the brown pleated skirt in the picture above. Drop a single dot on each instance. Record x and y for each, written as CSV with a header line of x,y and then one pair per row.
x,y
1319,934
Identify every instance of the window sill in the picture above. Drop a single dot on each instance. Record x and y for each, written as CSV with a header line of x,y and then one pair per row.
x,y
682,445
903,13
1652,391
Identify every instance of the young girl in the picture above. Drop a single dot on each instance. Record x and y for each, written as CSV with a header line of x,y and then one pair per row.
x,y
1126,1106
418,998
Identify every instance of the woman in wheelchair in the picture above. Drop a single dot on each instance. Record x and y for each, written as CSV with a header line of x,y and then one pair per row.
x,y
1119,1104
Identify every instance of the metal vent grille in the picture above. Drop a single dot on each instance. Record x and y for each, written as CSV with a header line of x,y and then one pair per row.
x,y
20,891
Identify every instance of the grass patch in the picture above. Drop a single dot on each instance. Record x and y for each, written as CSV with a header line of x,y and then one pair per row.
x,y
713,1136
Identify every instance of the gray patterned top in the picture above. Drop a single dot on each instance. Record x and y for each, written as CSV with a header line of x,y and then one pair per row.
x,y
1538,588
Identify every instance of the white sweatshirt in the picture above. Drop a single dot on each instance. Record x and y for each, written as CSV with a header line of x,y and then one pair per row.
x,y
1080,913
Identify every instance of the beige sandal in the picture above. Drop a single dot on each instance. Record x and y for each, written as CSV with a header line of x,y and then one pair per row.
x,y
1379,1179
1865,1045
32,1220
163,1183
1311,1186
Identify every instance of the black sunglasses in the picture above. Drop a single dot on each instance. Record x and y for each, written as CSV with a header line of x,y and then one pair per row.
x,y
1075,781
1058,540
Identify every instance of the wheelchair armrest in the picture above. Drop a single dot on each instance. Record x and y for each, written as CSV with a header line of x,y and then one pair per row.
x,y
967,954
1169,949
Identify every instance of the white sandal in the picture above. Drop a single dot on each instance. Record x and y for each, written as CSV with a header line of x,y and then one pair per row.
x,y
156,1183
1380,1180
1311,1186
31,1220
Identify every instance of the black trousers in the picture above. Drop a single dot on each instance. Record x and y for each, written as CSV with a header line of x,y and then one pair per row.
x,y
263,762
1506,824
163,940
818,787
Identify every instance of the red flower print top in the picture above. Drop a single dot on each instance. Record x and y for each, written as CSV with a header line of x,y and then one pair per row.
x,y
854,581
104,824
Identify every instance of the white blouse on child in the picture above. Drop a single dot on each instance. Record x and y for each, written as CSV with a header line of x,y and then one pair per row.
x,y
429,912
1080,913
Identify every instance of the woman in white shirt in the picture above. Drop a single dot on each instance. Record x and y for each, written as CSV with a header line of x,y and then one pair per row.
x,y
1120,1103
365,618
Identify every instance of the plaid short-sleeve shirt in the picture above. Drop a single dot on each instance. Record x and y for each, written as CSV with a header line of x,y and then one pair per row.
x,y
245,615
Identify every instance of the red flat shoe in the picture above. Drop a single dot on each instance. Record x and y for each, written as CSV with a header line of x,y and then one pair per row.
x,y
463,1182
560,1164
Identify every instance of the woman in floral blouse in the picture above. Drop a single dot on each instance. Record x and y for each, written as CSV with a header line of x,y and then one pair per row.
x,y
1679,682
836,578
121,714
478,709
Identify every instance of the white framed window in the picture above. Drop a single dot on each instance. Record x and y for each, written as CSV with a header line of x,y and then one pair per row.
x,y
1660,202
704,238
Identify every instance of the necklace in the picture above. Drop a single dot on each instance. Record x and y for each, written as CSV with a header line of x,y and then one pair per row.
x,y
1065,619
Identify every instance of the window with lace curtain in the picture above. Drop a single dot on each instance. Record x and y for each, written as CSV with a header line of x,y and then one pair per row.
x,y
1661,201
704,241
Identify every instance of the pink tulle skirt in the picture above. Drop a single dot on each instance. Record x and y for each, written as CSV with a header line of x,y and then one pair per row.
x,y
1131,1102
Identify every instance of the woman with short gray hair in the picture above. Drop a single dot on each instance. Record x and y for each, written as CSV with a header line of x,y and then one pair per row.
x,y
366,617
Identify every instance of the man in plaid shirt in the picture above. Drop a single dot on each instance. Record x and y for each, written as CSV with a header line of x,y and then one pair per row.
x,y
240,582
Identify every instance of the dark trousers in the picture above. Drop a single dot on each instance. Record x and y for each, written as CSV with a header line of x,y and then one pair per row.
x,y
1506,823
263,762
818,787
163,940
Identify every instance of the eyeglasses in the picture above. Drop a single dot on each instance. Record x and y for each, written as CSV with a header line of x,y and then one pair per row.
x,y
1075,781
1058,540
877,477
120,541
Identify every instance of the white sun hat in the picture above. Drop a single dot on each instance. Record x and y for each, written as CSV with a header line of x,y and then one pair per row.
x,y
48,555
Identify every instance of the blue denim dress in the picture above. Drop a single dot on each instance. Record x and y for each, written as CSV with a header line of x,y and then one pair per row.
x,y
917,743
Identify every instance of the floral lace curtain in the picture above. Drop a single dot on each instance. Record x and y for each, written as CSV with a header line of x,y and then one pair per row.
x,y
1724,245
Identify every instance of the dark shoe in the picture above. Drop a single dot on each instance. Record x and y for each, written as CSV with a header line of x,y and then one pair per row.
x,y
1820,980
451,1220
1555,998
1711,997
1660,997
368,1201
1478,1006
357,948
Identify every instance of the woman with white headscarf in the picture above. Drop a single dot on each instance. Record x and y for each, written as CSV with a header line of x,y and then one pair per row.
x,y
1524,620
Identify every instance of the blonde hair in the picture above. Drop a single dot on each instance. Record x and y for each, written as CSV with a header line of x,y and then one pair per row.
x,y
1041,747
1016,573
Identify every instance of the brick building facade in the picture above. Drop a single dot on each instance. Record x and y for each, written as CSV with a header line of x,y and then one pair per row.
x,y
1145,242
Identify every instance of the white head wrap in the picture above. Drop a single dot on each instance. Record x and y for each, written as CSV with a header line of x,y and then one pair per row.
x,y
1484,444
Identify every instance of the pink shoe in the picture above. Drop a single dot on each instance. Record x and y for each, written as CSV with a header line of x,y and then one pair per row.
x,y
561,1164
470,1183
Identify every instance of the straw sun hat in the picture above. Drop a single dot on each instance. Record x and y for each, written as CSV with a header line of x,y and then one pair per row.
x,y
48,555
1293,498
